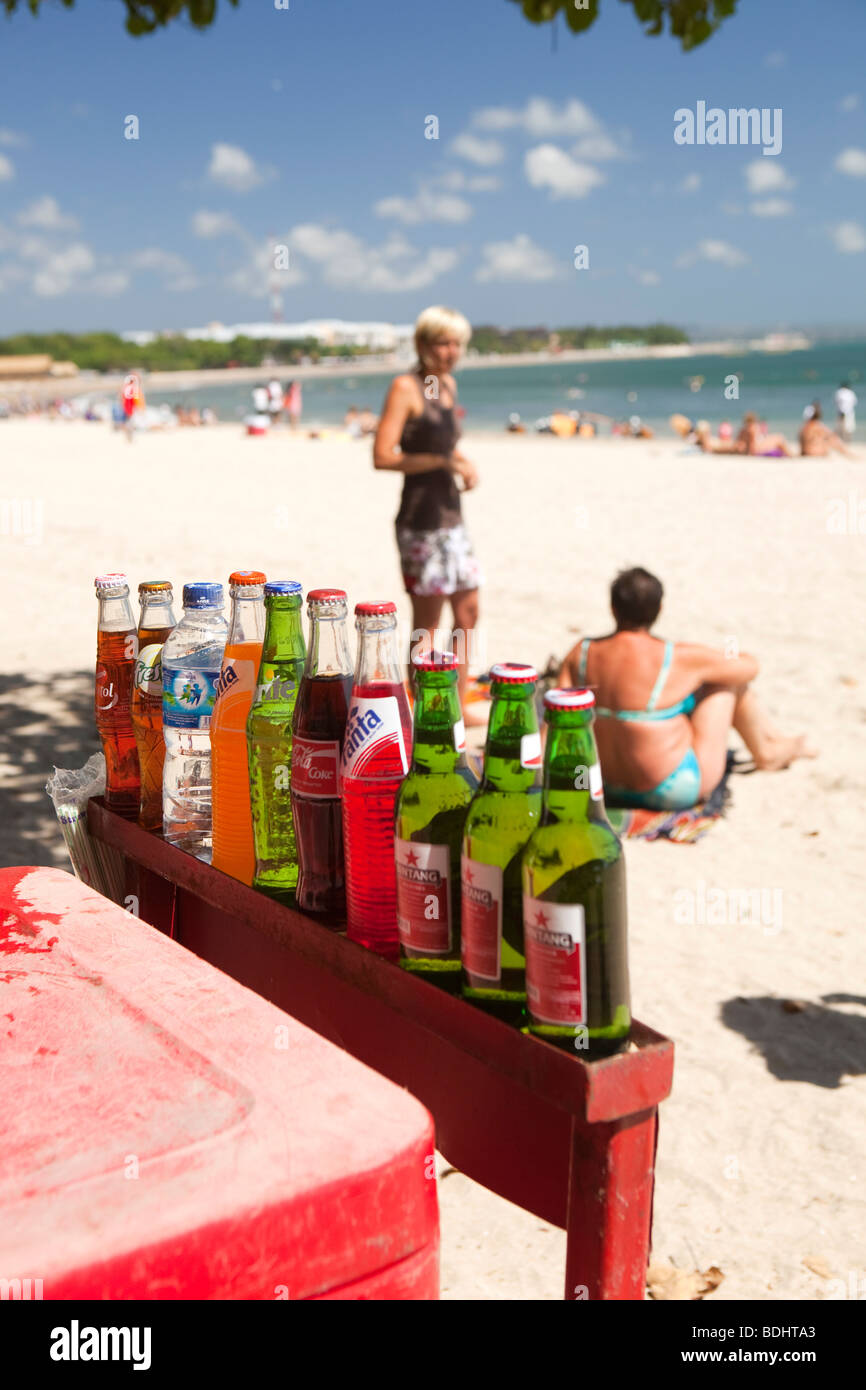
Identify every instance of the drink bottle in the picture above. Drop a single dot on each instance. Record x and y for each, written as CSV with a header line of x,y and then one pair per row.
x,y
502,816
233,851
431,810
269,742
574,898
191,660
156,621
318,727
376,753
116,651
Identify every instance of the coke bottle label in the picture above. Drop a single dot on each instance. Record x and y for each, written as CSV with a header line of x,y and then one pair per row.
x,y
373,745
482,918
530,750
460,736
316,767
424,897
188,699
555,936
148,669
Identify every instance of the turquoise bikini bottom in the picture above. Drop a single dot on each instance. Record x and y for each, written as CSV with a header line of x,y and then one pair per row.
x,y
676,793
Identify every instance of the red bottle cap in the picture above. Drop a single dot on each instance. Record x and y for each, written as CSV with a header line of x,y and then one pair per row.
x,y
435,661
247,577
573,698
325,595
371,610
109,581
513,673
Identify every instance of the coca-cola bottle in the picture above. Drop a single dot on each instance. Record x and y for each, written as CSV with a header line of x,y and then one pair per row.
x,y
318,727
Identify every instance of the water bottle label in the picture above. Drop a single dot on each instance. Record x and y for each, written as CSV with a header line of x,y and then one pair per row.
x,y
423,897
316,767
148,669
530,750
481,947
373,745
188,698
460,736
555,936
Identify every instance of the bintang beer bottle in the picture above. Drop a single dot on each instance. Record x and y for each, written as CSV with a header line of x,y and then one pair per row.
x,y
574,899
501,818
431,810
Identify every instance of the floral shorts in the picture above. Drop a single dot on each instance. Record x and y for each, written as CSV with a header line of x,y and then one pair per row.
x,y
438,562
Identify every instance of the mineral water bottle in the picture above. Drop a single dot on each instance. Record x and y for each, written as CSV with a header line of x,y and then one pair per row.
x,y
191,660
269,742
574,900
233,851
116,651
155,622
376,753
502,816
431,810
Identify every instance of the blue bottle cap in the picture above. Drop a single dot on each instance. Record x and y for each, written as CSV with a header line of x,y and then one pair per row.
x,y
202,594
283,587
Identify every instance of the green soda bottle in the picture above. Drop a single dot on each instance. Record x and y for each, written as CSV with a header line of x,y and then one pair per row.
x,y
269,742
431,809
502,816
574,899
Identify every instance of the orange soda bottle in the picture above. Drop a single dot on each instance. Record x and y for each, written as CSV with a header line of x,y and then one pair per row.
x,y
116,652
155,622
233,850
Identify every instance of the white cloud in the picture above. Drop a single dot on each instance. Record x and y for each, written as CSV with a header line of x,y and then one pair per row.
x,y
711,249
349,262
547,166
457,181
45,212
62,270
540,118
478,151
7,168
850,102
851,161
12,138
690,184
644,277
213,224
518,259
233,168
771,207
767,176
598,146
426,206
848,237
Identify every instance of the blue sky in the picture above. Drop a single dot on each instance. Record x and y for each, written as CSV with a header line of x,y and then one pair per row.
x,y
305,127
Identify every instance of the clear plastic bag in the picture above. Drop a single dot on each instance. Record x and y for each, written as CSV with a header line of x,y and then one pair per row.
x,y
99,866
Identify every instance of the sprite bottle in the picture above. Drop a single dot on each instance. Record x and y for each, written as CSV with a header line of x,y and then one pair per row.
x,y
431,809
574,899
269,742
502,816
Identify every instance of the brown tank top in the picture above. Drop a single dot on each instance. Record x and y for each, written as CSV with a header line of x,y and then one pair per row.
x,y
430,501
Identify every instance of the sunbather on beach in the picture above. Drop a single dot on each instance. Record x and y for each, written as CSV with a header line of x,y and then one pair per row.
x,y
664,710
752,438
816,439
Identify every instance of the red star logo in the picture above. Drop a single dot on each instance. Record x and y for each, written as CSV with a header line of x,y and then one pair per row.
x,y
541,920
411,857
468,875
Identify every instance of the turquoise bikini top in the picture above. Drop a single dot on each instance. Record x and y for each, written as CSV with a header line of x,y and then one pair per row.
x,y
650,714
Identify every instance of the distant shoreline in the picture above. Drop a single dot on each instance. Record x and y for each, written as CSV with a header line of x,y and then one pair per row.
x,y
93,384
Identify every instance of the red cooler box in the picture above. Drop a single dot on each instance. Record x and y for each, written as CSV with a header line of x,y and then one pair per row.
x,y
166,1133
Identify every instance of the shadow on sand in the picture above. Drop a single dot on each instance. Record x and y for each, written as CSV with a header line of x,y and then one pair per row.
x,y
818,1043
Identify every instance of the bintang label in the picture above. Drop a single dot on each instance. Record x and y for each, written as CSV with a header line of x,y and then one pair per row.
x,y
424,897
555,936
481,919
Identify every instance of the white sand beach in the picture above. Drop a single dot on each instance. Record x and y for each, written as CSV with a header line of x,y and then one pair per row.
x,y
760,1163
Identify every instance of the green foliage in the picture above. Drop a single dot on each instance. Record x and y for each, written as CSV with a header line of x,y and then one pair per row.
x,y
690,21
106,352
144,16
486,338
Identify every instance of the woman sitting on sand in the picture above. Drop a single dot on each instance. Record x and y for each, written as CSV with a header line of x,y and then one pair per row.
x,y
665,709
816,440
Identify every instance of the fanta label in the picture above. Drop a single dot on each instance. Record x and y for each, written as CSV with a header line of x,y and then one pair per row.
x,y
188,699
316,767
148,669
373,745
424,897
482,919
555,936
228,678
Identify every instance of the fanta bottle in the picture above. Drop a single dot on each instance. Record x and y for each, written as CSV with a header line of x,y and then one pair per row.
x,y
116,651
376,753
155,622
233,850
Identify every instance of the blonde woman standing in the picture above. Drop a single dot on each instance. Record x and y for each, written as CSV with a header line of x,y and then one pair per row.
x,y
418,435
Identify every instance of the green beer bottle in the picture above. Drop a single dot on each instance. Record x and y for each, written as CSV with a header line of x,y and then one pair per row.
x,y
501,818
574,900
431,809
269,741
